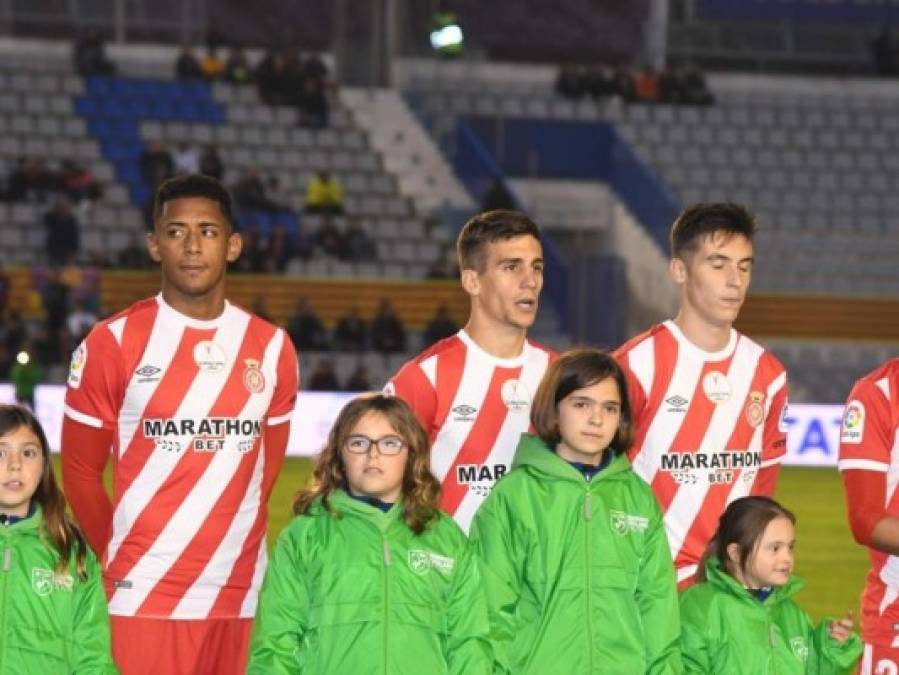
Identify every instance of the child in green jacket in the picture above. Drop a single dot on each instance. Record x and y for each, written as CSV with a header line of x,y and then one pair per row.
x,y
741,619
370,577
53,614
577,568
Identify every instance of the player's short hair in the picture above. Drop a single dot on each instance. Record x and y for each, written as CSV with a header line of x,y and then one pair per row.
x,y
699,221
421,491
486,228
743,523
572,370
193,185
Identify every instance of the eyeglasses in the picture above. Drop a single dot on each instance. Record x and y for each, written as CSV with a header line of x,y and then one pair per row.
x,y
387,445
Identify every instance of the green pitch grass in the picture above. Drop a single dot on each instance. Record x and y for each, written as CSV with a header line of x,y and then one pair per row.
x,y
831,563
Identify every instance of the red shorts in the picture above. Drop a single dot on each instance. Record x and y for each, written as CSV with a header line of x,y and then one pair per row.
x,y
877,660
166,646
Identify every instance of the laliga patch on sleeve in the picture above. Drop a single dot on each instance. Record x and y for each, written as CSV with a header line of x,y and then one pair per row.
x,y
76,368
782,425
853,428
389,389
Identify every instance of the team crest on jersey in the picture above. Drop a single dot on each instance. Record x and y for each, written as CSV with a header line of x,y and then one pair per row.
x,y
853,429
624,523
76,368
515,395
716,387
45,581
422,561
209,356
800,648
253,379
755,409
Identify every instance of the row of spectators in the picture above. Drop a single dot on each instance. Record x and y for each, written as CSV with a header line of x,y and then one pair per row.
x,y
35,179
676,84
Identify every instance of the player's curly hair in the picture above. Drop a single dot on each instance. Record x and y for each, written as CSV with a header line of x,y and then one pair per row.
x,y
421,490
60,531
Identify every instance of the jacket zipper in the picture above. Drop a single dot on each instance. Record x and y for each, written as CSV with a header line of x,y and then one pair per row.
x,y
388,561
7,565
588,514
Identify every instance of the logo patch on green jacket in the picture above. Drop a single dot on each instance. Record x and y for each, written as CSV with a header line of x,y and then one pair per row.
x,y
44,582
421,561
799,647
625,523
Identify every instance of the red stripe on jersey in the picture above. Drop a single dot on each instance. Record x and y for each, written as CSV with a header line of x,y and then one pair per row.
x,y
450,367
479,443
234,592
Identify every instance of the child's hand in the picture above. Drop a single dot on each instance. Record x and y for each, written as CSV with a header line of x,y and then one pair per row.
x,y
842,629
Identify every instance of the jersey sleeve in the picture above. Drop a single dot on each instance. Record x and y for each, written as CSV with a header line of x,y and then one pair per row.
x,y
288,372
413,386
774,436
97,380
867,429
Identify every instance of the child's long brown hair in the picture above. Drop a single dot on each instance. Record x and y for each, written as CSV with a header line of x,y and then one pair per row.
x,y
63,534
420,490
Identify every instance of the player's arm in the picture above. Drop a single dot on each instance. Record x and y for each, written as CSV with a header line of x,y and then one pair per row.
x,y
277,423
774,443
413,386
94,394
865,445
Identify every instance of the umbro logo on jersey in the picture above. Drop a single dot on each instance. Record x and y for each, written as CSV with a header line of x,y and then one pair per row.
x,y
148,373
678,403
464,413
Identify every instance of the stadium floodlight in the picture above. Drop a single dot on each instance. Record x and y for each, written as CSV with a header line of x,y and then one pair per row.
x,y
447,38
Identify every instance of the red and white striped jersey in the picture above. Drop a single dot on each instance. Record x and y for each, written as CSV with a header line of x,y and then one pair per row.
x,y
188,403
869,442
709,429
474,407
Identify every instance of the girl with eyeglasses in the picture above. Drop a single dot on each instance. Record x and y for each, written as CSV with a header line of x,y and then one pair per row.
x,y
370,577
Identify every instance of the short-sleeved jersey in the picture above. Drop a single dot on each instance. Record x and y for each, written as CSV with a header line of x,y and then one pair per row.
x,y
474,407
187,402
706,425
869,442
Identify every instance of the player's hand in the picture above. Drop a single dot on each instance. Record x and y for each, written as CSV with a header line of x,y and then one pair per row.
x,y
842,629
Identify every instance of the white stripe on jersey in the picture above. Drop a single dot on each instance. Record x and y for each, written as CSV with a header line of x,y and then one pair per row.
x,y
429,368
280,419
863,464
196,404
642,363
248,608
82,418
516,423
689,498
201,596
117,328
664,428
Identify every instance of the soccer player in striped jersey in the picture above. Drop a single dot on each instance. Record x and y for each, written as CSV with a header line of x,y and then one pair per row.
x,y
708,401
472,391
869,465
191,397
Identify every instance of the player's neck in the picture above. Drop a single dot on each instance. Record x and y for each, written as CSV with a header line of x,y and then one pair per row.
x,y
708,337
200,307
501,341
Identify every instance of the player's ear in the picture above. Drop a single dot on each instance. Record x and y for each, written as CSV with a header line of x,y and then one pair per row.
x,y
235,246
471,284
677,268
153,247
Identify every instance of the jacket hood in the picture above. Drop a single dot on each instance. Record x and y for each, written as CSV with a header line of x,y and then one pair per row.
x,y
538,457
718,577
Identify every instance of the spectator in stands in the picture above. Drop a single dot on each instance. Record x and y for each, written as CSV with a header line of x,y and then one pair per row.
x,y
186,159
211,66
570,82
324,194
90,55
187,67
497,197
441,326
80,321
156,164
388,335
313,68
696,90
329,239
646,86
237,68
32,180
250,193
211,162
359,381
884,52
358,245
277,249
250,260
305,327
134,256
78,183
26,374
623,85
672,85
350,333
276,84
598,81
62,233
324,377
277,195
314,110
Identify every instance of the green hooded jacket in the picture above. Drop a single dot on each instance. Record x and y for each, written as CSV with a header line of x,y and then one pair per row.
x,y
727,630
49,623
578,573
361,593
